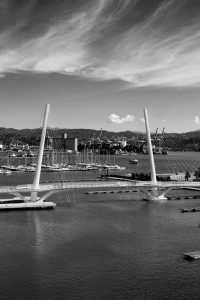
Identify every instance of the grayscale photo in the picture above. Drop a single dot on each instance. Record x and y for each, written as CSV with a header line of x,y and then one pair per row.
x,y
99,149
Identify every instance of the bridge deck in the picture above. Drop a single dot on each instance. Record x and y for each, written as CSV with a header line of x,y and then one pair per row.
x,y
95,184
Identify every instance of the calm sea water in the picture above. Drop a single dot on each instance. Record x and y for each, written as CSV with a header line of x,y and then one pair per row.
x,y
100,246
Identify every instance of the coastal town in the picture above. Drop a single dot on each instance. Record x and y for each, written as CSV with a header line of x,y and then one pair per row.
x,y
25,143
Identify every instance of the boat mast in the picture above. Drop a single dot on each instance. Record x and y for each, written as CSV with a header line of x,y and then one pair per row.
x,y
40,155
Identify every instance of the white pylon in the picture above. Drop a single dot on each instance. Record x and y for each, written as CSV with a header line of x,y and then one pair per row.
x,y
154,194
36,179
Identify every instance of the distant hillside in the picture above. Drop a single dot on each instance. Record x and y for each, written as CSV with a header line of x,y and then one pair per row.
x,y
7,134
191,134
32,136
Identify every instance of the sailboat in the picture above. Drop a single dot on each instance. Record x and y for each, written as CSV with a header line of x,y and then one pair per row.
x,y
5,172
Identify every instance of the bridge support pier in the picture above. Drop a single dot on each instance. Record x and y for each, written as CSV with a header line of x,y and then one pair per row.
x,y
45,196
27,202
155,194
34,196
19,196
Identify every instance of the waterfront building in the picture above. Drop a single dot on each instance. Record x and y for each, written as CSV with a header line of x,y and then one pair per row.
x,y
71,144
63,143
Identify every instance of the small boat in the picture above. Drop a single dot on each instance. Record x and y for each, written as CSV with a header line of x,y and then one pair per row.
x,y
8,167
133,161
21,168
54,169
6,172
112,167
30,169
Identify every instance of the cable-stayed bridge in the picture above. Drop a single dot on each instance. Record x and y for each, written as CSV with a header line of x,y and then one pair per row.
x,y
153,190
143,186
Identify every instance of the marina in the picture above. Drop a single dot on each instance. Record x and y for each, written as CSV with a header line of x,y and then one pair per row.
x,y
60,167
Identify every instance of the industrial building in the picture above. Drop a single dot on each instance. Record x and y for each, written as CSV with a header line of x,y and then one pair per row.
x,y
64,143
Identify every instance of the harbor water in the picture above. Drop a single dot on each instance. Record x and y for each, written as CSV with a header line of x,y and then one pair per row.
x,y
111,246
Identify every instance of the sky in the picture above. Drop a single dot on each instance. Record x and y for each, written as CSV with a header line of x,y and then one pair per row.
x,y
99,63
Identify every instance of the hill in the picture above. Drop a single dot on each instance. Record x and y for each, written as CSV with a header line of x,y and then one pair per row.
x,y
32,136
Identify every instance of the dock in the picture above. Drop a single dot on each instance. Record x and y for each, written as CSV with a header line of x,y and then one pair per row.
x,y
183,197
185,210
21,205
192,255
109,192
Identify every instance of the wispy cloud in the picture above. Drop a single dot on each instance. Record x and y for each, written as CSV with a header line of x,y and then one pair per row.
x,y
159,46
197,120
142,120
113,118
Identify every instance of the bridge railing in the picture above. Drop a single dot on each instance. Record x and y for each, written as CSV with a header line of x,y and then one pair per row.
x,y
96,184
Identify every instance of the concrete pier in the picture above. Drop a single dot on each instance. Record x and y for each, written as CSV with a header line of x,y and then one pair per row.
x,y
192,255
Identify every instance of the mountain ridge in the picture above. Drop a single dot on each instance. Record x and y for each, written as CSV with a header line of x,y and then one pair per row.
x,y
7,134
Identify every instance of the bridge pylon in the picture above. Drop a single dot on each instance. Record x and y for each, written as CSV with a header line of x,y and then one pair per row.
x,y
154,193
32,201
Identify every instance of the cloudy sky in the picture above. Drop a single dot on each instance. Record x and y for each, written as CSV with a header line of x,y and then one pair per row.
x,y
99,63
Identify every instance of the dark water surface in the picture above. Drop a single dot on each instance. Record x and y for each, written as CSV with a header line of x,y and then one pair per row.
x,y
99,247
